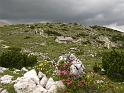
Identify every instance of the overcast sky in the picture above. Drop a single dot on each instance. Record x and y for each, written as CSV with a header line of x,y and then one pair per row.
x,y
88,12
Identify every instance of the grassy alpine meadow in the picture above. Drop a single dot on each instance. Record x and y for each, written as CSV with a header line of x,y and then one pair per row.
x,y
39,40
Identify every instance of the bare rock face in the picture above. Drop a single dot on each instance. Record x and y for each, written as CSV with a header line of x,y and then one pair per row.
x,y
6,79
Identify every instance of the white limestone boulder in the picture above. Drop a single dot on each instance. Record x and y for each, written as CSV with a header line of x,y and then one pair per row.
x,y
2,69
17,70
50,83
60,84
40,75
32,75
53,89
24,70
54,86
43,81
39,89
24,85
77,69
6,79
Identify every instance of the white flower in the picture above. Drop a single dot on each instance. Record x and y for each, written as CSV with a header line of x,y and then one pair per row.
x,y
102,70
99,81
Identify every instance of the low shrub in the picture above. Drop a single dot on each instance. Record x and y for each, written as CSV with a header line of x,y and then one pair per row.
x,y
13,58
113,64
52,33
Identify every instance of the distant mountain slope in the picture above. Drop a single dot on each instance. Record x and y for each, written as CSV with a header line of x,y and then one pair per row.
x,y
3,23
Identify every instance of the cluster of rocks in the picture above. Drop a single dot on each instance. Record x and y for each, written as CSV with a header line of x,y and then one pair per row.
x,y
33,83
76,68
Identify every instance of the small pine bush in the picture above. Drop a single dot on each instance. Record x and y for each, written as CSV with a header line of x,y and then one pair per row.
x,y
13,58
113,64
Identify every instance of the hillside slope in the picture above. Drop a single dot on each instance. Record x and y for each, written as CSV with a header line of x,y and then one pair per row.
x,y
40,38
50,40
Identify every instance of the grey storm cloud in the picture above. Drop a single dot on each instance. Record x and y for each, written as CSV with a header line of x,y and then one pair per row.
x,y
102,12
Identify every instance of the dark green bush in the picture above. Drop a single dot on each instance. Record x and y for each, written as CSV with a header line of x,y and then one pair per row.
x,y
32,26
117,37
13,58
96,68
52,33
113,64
